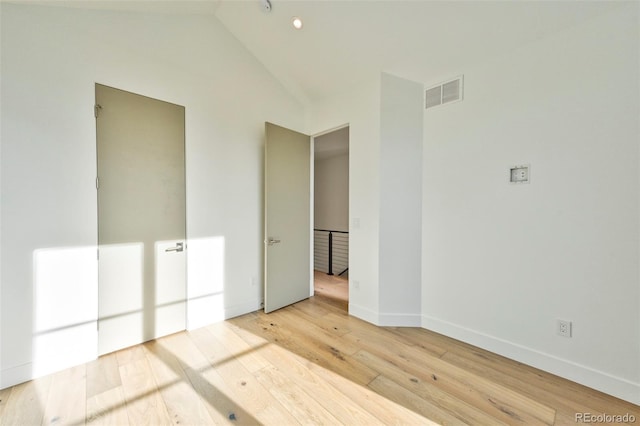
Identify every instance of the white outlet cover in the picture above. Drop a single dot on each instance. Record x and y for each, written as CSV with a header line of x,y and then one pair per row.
x,y
520,174
564,328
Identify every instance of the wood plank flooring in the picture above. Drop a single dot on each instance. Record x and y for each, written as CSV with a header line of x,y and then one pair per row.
x,y
309,363
334,287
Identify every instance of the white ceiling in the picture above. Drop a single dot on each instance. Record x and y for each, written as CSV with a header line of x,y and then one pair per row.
x,y
343,42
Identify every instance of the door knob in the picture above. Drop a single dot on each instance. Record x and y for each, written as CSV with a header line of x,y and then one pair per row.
x,y
271,241
178,247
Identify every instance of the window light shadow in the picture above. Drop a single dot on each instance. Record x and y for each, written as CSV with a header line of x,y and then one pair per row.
x,y
225,365
64,298
327,363
177,381
206,272
121,296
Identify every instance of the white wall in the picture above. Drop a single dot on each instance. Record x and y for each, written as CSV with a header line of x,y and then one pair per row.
x,y
568,105
360,109
51,58
384,114
502,262
331,193
400,201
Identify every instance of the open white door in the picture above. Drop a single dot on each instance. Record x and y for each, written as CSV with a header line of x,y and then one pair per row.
x,y
287,217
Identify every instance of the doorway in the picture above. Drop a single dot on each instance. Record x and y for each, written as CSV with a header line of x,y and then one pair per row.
x,y
302,183
141,218
331,216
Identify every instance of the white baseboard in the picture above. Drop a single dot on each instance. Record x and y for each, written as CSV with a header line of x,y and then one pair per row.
x,y
363,313
241,309
400,320
16,375
584,375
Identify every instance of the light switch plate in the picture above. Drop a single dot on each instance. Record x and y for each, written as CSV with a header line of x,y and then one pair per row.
x,y
520,174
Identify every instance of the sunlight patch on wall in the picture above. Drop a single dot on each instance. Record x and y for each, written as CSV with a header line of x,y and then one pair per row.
x,y
65,296
205,271
121,296
170,289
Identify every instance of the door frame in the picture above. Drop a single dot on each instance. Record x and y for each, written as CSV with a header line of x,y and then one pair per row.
x,y
313,196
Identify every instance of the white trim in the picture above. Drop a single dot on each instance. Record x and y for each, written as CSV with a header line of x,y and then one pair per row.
x,y
16,375
312,205
616,386
363,313
241,309
399,320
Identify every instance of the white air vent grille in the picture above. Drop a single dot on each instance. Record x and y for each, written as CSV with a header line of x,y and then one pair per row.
x,y
451,91
444,93
434,96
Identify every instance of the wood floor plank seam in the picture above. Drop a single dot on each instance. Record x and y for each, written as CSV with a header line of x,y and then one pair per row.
x,y
5,394
180,397
470,388
235,383
145,404
426,408
329,396
26,405
433,395
525,388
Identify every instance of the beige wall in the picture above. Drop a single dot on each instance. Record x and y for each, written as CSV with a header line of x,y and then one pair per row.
x,y
331,193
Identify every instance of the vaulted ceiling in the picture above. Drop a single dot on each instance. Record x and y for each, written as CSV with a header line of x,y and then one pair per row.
x,y
343,42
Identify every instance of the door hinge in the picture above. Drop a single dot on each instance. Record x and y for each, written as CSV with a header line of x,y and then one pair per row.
x,y
97,182
96,108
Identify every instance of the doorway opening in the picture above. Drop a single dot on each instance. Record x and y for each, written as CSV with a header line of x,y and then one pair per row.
x,y
331,216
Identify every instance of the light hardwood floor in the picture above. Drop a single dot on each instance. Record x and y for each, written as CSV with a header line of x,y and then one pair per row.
x,y
309,363
332,286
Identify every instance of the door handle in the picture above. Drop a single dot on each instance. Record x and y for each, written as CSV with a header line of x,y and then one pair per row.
x,y
271,241
178,247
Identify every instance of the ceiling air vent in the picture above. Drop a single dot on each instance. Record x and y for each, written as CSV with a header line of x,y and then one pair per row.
x,y
444,93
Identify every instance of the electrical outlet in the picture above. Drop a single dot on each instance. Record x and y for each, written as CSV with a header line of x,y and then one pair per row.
x,y
519,174
564,328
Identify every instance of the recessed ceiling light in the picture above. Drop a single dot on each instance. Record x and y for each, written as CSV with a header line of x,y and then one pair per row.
x,y
296,22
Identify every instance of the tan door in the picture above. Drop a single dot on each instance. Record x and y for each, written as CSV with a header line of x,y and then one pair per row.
x,y
141,218
287,217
